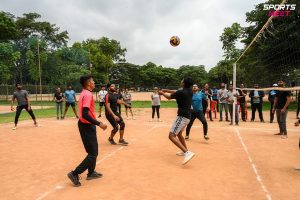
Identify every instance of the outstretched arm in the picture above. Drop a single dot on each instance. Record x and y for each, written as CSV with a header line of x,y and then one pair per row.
x,y
166,95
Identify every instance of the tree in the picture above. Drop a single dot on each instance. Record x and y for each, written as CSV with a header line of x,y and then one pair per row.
x,y
8,29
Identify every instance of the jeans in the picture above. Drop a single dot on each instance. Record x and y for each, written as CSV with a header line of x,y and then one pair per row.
x,y
225,105
59,108
254,107
89,140
236,113
281,119
199,115
243,110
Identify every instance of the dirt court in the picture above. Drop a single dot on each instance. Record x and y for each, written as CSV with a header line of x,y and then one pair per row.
x,y
244,162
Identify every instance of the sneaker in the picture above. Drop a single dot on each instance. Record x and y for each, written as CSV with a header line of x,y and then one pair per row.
x,y
262,121
278,134
14,128
180,153
206,137
159,120
151,120
297,168
112,141
231,123
127,117
123,142
211,120
74,179
37,125
94,175
186,137
62,118
220,120
133,118
187,157
284,136
271,122
227,120
57,118
252,120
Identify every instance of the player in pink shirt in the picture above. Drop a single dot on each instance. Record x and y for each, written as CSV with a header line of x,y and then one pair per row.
x,y
87,127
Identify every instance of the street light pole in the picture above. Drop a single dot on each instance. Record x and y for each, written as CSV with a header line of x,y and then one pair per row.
x,y
40,73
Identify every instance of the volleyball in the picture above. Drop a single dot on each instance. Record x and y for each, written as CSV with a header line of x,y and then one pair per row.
x,y
174,41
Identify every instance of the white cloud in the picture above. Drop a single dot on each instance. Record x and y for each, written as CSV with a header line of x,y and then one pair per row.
x,y
145,26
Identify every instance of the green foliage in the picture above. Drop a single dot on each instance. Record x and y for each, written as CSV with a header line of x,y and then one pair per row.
x,y
8,29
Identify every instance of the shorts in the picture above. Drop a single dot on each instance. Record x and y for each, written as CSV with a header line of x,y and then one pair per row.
x,y
112,121
101,104
70,104
128,106
179,124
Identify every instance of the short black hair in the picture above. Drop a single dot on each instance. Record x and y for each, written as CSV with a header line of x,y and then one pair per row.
x,y
17,83
188,82
282,79
108,85
84,79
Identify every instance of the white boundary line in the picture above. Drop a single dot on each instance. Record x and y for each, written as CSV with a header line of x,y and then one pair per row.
x,y
61,186
258,178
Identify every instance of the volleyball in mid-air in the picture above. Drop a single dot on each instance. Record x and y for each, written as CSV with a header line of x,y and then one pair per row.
x,y
174,41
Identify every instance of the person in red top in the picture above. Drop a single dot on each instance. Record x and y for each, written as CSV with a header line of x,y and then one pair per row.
x,y
87,127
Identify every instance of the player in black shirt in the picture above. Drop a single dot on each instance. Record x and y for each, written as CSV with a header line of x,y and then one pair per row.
x,y
184,101
113,116
281,105
59,98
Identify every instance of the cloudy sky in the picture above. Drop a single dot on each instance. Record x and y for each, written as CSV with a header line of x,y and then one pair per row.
x,y
144,26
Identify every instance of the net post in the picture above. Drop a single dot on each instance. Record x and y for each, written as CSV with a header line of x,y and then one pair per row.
x,y
234,89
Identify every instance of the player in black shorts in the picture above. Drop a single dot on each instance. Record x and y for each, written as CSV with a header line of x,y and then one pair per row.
x,y
112,115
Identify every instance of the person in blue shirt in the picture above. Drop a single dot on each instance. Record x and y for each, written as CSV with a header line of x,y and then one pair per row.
x,y
197,111
70,98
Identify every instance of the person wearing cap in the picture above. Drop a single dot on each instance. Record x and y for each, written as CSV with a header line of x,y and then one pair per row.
x,y
155,97
271,98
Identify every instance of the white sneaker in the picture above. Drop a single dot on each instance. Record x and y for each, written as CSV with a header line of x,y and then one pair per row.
x,y
37,125
180,153
14,128
188,156
151,120
284,137
159,120
127,117
133,118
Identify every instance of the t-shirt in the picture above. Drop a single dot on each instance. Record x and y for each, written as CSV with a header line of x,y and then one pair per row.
x,y
86,100
58,96
197,101
112,99
127,97
281,98
215,94
184,101
231,96
256,100
272,94
223,94
155,99
21,97
101,95
243,98
70,96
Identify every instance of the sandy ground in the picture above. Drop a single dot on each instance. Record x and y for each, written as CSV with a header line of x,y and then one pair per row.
x,y
244,162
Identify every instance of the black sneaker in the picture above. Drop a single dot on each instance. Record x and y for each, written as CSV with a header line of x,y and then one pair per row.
x,y
94,175
74,179
112,141
57,118
123,142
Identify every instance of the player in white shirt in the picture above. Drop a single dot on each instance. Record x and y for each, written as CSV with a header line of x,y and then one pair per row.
x,y
101,95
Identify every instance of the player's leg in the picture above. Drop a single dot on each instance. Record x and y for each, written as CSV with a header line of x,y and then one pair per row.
x,y
66,109
201,117
32,115
121,122
18,112
190,124
74,110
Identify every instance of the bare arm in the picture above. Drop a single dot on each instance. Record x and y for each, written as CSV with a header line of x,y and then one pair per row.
x,y
122,102
12,104
168,91
287,103
166,95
